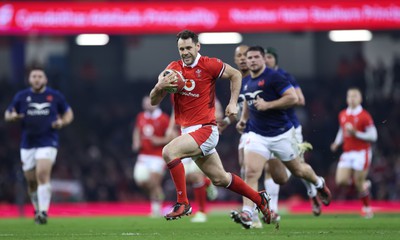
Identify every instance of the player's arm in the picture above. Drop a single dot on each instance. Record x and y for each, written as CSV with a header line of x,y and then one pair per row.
x,y
288,99
12,115
236,82
338,140
300,95
65,119
170,133
136,139
370,134
241,124
158,93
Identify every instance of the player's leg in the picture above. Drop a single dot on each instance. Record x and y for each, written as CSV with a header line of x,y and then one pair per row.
x,y
242,142
45,158
361,167
29,169
286,150
156,193
196,179
276,166
181,147
212,166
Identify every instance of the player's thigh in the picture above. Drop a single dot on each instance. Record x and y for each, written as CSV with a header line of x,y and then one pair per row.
x,y
343,175
181,147
285,146
278,171
254,164
45,159
28,159
146,165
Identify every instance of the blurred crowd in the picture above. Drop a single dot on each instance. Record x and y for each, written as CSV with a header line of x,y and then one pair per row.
x,y
95,151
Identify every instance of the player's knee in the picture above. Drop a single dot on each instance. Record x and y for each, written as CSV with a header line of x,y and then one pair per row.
x,y
281,179
167,154
221,181
341,182
42,177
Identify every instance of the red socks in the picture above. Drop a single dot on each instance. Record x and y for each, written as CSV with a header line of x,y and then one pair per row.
x,y
237,185
200,196
177,172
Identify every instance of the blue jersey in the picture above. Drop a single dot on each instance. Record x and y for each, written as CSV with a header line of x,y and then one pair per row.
x,y
290,111
270,86
241,100
40,111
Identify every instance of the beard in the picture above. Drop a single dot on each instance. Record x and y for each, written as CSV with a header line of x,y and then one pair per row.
x,y
38,87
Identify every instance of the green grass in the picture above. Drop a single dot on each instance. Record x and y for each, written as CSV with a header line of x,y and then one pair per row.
x,y
338,227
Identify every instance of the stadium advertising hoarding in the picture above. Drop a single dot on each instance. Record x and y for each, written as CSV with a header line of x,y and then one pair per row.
x,y
170,16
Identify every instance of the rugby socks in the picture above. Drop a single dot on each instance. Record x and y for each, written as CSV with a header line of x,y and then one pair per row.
x,y
34,200
156,208
177,172
44,196
200,196
207,182
238,186
320,183
273,191
311,190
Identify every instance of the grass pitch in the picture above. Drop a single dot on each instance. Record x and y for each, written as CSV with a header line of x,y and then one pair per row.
x,y
218,227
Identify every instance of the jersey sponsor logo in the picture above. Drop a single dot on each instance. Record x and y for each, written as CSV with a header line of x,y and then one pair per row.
x,y
39,109
250,96
148,130
190,84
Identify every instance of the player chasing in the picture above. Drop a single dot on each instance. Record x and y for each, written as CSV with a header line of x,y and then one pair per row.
x,y
356,132
275,172
194,109
271,133
42,111
149,137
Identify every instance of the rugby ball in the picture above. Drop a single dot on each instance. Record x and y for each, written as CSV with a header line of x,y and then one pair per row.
x,y
179,80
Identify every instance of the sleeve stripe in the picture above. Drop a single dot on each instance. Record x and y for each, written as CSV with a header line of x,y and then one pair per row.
x,y
284,90
222,71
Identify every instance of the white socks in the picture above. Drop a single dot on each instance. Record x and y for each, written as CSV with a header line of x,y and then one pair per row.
x,y
44,196
34,200
273,190
320,182
156,208
311,190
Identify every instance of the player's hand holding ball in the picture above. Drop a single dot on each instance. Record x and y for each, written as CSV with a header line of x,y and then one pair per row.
x,y
173,81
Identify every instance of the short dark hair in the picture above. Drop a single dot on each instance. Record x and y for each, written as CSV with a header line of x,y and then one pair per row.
x,y
256,49
35,67
186,34
273,52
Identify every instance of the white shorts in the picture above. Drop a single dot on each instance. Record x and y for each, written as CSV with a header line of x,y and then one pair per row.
x,y
242,140
357,160
299,134
190,166
205,136
283,146
147,164
31,155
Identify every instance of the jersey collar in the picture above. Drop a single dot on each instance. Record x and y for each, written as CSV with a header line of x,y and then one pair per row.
x,y
153,115
195,62
354,111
